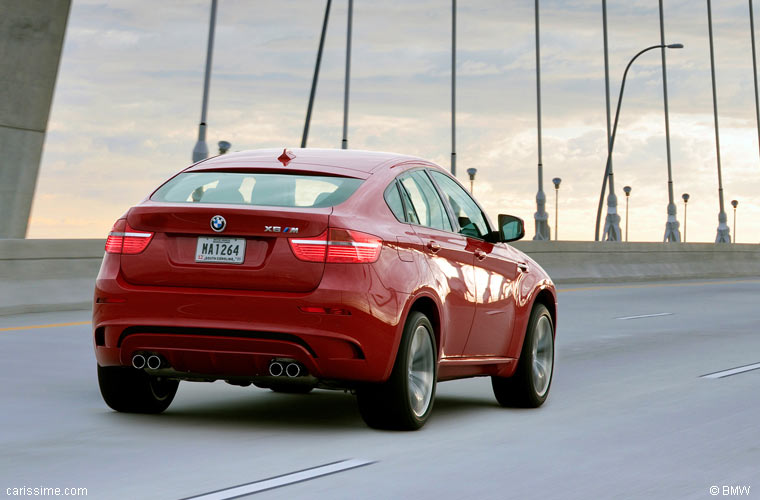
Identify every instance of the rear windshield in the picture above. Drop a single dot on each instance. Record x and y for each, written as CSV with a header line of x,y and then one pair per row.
x,y
275,190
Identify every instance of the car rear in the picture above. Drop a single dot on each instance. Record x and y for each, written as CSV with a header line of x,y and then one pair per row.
x,y
231,271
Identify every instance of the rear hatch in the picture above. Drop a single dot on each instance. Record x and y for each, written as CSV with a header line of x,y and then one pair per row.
x,y
184,213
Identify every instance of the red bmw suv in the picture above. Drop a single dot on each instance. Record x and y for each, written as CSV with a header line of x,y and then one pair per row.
x,y
306,268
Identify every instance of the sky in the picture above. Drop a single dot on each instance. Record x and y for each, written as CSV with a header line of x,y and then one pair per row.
x,y
127,102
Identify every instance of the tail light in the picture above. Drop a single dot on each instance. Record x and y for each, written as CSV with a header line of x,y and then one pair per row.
x,y
338,246
125,240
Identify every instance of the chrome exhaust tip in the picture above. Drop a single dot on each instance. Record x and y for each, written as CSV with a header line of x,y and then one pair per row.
x,y
154,362
276,369
138,361
293,370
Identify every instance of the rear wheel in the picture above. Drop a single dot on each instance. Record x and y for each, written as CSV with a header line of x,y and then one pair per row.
x,y
126,389
405,400
529,386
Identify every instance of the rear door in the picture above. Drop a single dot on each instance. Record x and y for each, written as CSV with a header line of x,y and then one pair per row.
x,y
495,274
449,260
260,212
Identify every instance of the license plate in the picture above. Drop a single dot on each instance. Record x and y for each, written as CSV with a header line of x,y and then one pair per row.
x,y
224,250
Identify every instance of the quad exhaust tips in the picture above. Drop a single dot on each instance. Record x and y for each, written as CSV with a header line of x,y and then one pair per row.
x,y
293,370
276,369
290,369
149,361
138,361
154,362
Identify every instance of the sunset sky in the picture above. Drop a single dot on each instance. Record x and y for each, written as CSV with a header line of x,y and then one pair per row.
x,y
127,102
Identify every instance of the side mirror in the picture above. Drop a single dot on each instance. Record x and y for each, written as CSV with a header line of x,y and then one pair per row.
x,y
511,228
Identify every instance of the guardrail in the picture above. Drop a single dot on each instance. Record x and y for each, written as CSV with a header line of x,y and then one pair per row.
x,y
54,275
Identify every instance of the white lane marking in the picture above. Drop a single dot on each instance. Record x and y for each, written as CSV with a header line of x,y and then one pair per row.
x,y
646,316
733,371
284,480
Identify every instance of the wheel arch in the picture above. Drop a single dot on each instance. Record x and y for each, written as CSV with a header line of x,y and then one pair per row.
x,y
542,294
548,299
428,306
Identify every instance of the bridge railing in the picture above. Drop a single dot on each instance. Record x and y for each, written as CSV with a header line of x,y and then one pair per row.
x,y
51,275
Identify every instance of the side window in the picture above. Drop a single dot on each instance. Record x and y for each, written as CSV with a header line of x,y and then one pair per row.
x,y
472,222
424,201
393,199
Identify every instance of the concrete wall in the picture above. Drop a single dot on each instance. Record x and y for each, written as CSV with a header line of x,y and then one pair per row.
x,y
31,37
48,275
592,262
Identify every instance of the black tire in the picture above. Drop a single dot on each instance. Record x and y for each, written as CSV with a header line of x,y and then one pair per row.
x,y
128,390
522,389
389,405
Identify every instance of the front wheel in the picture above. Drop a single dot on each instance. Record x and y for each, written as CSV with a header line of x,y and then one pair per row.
x,y
405,400
126,389
529,386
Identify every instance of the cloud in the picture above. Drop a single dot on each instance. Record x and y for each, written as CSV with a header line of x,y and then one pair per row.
x,y
127,101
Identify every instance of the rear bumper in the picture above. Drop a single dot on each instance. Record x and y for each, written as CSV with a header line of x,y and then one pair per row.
x,y
235,334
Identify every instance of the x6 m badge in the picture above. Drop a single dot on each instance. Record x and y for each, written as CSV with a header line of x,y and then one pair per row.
x,y
280,229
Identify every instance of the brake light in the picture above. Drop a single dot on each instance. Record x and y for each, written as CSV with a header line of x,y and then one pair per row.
x,y
342,246
125,240
116,237
310,249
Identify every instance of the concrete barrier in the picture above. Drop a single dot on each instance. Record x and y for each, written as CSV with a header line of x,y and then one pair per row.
x,y
597,262
50,275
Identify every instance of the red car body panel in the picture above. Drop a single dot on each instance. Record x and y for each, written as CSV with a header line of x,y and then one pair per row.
x,y
228,321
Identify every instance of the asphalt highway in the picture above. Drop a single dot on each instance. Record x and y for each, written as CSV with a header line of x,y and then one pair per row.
x,y
630,415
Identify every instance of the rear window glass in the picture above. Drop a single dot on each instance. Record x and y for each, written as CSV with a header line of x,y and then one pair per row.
x,y
275,190
393,199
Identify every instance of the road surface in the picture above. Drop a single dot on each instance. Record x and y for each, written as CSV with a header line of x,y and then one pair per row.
x,y
630,415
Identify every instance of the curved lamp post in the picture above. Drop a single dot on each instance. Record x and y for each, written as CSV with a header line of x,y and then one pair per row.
x,y
612,224
685,197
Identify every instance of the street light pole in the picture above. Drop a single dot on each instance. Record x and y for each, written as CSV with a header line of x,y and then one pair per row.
x,y
671,226
612,223
685,197
344,142
541,217
754,68
200,151
607,105
454,87
556,182
724,235
314,80
734,204
627,191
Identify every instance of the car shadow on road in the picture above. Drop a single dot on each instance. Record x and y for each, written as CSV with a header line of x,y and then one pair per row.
x,y
319,409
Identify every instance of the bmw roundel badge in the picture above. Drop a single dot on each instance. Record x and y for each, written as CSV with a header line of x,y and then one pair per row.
x,y
218,223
